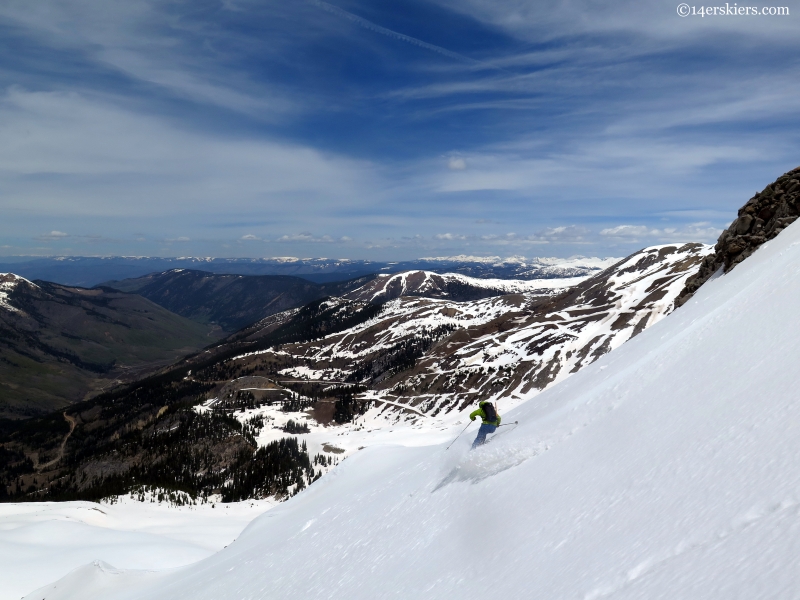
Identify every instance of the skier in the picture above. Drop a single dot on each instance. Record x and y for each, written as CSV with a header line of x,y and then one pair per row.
x,y
490,421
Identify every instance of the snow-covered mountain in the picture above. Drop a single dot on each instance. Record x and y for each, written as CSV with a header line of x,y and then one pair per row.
x,y
540,343
439,356
512,267
666,469
8,283
454,286
515,267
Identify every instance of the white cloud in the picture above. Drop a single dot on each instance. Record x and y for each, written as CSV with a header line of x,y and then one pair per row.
x,y
620,165
537,22
456,163
250,236
52,236
694,232
567,234
361,22
629,231
308,238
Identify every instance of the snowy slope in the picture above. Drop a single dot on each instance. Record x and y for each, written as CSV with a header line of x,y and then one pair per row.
x,y
669,468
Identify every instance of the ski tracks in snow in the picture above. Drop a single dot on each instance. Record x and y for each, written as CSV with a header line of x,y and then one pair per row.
x,y
489,460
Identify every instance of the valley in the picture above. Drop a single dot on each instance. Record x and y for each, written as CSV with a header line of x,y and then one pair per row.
x,y
60,344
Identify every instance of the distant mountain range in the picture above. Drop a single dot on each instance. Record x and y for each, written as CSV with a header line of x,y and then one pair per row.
x,y
62,343
91,271
59,344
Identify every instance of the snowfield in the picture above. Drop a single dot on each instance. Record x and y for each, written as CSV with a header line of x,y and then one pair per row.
x,y
48,539
669,468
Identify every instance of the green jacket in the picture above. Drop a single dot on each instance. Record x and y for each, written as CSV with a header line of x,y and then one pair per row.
x,y
482,415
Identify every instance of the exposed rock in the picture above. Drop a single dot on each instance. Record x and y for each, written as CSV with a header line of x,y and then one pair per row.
x,y
763,217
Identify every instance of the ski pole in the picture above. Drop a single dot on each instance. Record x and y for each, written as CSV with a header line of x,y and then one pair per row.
x,y
458,436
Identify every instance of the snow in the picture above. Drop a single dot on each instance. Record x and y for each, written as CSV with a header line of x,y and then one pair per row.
x,y
9,282
43,541
669,468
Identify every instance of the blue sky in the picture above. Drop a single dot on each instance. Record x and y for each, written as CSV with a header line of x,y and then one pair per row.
x,y
368,129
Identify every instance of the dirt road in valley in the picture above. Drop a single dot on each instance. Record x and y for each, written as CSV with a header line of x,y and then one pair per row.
x,y
72,423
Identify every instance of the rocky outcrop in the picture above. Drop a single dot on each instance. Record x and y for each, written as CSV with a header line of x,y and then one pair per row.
x,y
763,217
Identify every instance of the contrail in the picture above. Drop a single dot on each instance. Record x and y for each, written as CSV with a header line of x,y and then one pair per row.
x,y
392,34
